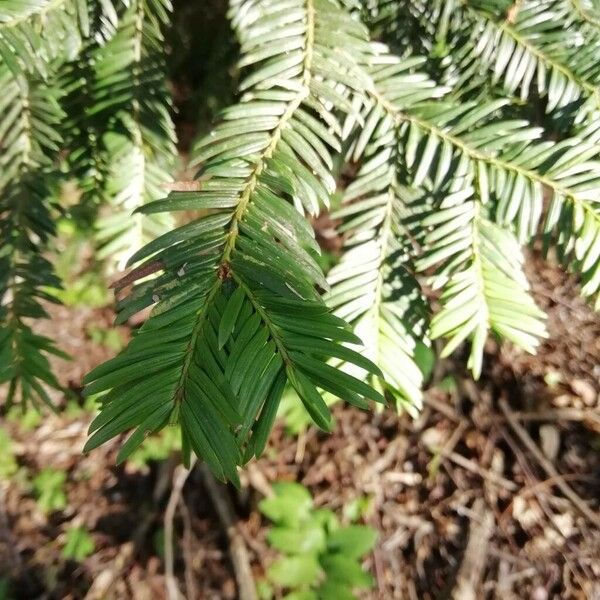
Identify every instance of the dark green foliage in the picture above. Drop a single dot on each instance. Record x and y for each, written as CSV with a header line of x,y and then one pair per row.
x,y
29,120
237,311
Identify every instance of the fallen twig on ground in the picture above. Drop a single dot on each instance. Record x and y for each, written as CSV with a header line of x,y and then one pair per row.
x,y
237,546
473,564
257,479
470,465
558,414
447,410
180,476
191,586
550,469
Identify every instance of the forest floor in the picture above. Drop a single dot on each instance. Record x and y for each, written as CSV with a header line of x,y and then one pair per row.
x,y
492,492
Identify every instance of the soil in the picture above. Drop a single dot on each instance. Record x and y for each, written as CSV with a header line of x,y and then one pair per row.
x,y
493,492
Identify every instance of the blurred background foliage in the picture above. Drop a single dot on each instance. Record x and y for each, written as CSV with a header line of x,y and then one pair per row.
x,y
202,55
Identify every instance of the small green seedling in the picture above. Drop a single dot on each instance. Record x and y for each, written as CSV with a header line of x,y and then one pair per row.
x,y
107,338
79,544
49,486
27,419
8,462
321,559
